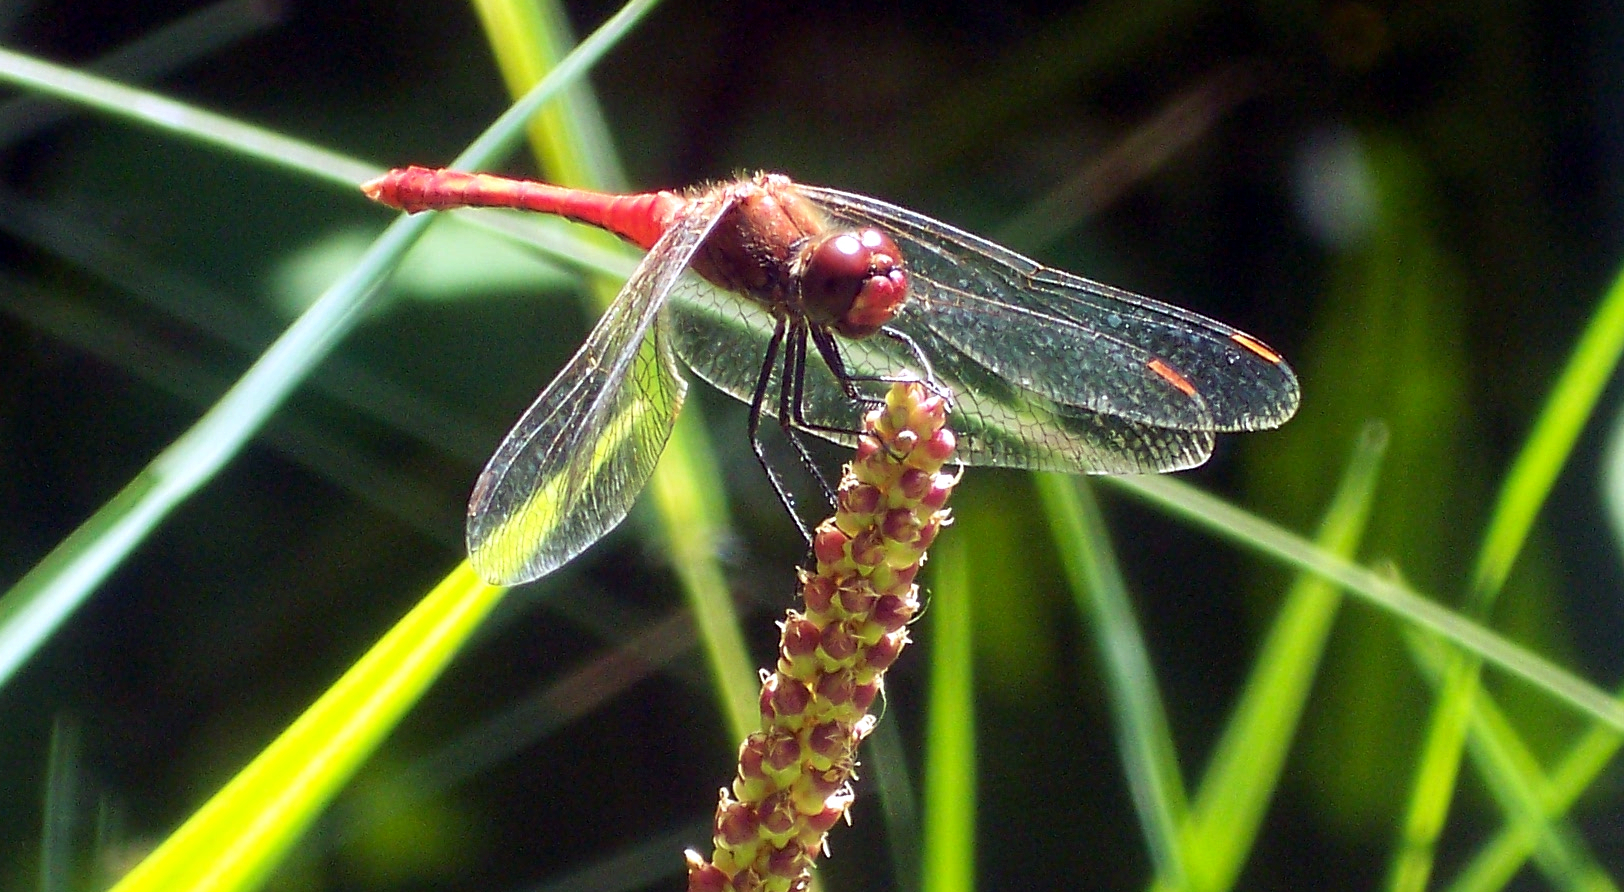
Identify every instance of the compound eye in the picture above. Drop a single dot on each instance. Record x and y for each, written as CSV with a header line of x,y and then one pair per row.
x,y
853,281
836,269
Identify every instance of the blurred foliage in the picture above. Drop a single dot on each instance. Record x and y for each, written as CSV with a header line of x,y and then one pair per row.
x,y
1414,202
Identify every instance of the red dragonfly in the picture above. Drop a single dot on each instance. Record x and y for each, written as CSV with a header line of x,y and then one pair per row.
x,y
1045,370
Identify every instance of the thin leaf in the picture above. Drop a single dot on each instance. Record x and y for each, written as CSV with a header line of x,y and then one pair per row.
x,y
1542,457
1245,768
1567,410
236,839
949,862
1149,757
1229,522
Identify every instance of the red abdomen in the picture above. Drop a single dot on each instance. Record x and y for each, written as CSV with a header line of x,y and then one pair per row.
x,y
639,218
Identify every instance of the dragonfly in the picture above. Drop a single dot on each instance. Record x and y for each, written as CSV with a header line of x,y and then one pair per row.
x,y
791,298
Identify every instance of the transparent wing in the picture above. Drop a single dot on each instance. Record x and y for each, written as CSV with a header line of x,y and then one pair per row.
x,y
723,338
1073,341
572,466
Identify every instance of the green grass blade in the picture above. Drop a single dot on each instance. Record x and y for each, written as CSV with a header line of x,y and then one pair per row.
x,y
38,603
1150,760
1514,775
154,111
949,860
1229,522
1246,765
188,123
1504,855
242,833
1567,410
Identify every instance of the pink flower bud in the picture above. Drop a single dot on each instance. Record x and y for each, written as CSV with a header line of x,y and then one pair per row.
x,y
703,877
817,591
814,788
868,549
829,545
932,412
798,646
776,816
829,744
914,484
941,487
837,642
836,687
783,753
900,525
856,597
823,821
891,612
752,753
790,861
735,824
927,535
863,498
789,698
884,652
863,695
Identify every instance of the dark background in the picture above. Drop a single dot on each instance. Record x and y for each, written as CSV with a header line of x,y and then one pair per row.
x,y
1418,204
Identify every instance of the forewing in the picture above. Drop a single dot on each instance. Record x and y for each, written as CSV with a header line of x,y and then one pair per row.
x,y
723,338
571,467
1073,341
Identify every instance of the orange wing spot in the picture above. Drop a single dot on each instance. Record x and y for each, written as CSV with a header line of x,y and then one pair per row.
x,y
1173,377
1256,346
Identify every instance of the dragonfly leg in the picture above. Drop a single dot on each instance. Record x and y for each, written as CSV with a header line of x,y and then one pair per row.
x,y
757,401
829,348
931,381
791,406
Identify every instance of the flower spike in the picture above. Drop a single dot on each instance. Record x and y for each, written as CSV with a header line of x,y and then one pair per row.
x,y
795,773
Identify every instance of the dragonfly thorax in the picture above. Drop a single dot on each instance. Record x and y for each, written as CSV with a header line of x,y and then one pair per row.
x,y
774,247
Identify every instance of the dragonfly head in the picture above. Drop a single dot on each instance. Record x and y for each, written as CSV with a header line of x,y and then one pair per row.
x,y
853,281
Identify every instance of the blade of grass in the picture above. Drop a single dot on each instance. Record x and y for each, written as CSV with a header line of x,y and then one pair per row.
x,y
1150,760
193,36
949,863
38,603
1514,775
571,142
1500,858
889,776
1245,767
236,839
147,109
570,137
1229,522
191,124
63,793
1568,408
176,372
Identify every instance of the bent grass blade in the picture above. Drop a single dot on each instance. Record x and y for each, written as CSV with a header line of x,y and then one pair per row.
x,y
243,832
